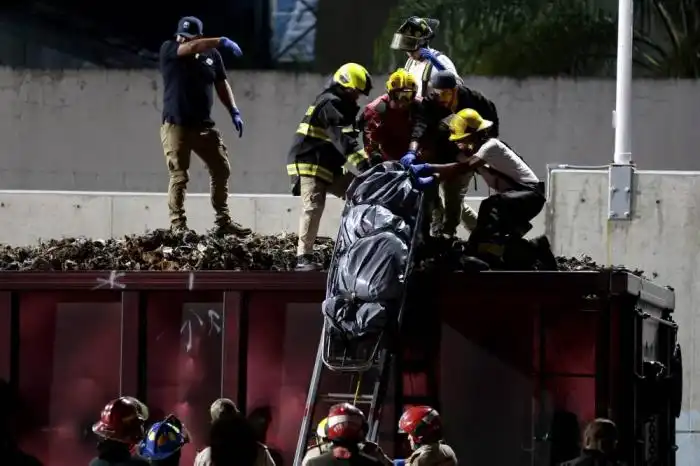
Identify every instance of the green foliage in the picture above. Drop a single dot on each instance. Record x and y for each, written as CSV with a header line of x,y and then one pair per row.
x,y
520,38
515,37
668,44
561,39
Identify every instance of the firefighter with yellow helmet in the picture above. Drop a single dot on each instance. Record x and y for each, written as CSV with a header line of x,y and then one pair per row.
x,y
387,122
504,217
325,140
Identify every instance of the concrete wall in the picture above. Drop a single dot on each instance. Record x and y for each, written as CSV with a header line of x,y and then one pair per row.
x,y
662,239
29,216
98,130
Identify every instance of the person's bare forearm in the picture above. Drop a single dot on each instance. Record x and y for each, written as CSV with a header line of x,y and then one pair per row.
x,y
447,171
225,93
198,45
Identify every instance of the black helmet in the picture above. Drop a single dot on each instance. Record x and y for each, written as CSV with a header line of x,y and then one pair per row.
x,y
414,33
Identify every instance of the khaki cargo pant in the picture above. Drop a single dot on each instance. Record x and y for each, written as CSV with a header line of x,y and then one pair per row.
x,y
178,144
313,193
447,213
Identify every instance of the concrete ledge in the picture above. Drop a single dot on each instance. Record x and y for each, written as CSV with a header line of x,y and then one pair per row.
x,y
28,216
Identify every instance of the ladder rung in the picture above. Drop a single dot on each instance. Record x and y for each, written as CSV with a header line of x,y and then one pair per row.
x,y
347,397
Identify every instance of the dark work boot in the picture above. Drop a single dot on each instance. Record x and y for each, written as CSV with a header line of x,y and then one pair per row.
x,y
306,263
232,228
544,253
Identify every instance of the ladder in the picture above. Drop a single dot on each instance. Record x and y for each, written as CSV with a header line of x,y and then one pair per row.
x,y
414,383
359,372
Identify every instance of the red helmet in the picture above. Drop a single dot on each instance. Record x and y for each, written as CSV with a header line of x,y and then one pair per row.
x,y
422,424
346,423
121,421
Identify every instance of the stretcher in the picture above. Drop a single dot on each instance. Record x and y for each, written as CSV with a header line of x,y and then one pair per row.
x,y
364,364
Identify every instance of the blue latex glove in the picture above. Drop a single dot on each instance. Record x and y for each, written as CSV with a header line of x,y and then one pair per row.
x,y
408,159
398,462
421,169
237,121
425,181
228,44
426,54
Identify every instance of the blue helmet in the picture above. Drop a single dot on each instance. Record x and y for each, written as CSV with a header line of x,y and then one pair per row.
x,y
162,440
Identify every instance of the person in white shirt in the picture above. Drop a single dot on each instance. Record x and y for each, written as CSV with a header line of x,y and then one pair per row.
x,y
424,63
413,37
504,217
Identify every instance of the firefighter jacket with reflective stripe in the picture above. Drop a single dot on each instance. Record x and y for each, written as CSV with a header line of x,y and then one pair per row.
x,y
326,139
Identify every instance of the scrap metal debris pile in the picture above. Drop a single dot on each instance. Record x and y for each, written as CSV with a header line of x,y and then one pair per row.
x,y
162,250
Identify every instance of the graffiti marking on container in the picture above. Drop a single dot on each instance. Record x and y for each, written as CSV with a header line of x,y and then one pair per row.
x,y
193,318
112,282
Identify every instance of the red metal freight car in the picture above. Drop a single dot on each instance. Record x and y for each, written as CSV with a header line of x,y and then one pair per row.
x,y
520,360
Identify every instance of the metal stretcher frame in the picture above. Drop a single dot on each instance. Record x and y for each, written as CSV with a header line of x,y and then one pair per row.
x,y
380,357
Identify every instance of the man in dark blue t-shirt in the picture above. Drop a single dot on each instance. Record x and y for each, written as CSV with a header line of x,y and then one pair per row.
x,y
192,68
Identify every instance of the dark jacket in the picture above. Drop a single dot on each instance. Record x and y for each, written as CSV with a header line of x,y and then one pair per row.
x,y
326,139
592,458
112,453
14,456
429,121
331,459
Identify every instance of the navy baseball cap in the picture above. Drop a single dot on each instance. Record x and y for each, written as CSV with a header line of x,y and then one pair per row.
x,y
189,27
443,80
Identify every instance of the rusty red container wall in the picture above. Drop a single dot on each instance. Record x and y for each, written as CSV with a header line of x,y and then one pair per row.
x,y
502,363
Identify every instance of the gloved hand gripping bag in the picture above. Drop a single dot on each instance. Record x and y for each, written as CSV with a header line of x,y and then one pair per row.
x,y
388,185
363,220
355,318
372,268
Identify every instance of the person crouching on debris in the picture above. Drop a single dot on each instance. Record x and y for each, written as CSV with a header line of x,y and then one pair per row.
x,y
387,122
162,445
347,430
191,68
447,96
424,428
120,428
324,142
519,196
599,445
232,440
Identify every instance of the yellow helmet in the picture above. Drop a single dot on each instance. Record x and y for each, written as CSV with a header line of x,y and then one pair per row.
x,y
322,429
465,123
401,80
354,76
